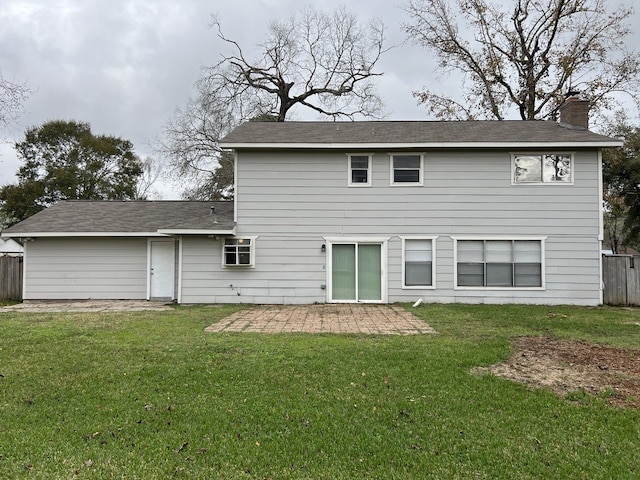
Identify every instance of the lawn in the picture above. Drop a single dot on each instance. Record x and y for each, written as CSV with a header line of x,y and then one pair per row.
x,y
151,395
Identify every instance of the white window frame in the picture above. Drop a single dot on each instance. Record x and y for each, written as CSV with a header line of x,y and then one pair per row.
x,y
535,154
542,241
382,241
432,239
419,183
252,253
369,170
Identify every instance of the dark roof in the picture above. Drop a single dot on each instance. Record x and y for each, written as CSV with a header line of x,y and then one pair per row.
x,y
127,217
414,133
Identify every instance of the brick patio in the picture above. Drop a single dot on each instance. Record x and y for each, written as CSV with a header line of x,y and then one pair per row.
x,y
326,318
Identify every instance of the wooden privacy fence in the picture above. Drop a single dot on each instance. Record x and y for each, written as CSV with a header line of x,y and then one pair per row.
x,y
10,278
621,276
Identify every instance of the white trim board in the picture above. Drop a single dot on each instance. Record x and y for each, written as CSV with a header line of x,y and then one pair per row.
x,y
83,234
403,146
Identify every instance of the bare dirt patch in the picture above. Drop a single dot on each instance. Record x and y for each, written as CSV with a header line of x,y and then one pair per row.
x,y
574,366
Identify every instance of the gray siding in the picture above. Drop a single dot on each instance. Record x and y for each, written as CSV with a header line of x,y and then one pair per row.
x,y
205,280
462,194
86,268
292,200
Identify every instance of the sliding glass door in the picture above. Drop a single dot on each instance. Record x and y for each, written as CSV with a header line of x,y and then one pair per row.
x,y
356,272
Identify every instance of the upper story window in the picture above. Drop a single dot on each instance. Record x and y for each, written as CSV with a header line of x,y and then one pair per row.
x,y
359,170
544,168
238,252
407,169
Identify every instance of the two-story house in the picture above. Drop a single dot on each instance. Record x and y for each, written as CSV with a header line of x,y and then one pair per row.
x,y
391,211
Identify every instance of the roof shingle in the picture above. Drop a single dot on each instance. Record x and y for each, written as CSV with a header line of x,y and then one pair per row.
x,y
416,133
123,217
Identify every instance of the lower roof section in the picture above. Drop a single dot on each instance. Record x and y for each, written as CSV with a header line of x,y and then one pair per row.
x,y
80,218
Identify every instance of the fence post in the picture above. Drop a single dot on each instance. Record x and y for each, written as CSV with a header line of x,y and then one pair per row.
x,y
11,278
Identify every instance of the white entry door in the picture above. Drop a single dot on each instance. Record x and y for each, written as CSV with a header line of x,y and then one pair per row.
x,y
161,269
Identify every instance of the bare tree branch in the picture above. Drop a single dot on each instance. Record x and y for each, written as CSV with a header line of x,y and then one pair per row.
x,y
526,58
320,61
12,96
190,142
146,186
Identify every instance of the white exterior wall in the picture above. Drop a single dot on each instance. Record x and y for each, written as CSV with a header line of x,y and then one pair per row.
x,y
10,247
85,268
291,201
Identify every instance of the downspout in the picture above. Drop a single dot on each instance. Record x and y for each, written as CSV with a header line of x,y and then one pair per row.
x,y
179,299
24,269
600,224
235,185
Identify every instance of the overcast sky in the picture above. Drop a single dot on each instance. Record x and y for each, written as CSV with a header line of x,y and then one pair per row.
x,y
124,66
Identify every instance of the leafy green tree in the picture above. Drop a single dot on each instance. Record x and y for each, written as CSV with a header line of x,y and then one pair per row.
x,y
20,201
64,160
621,178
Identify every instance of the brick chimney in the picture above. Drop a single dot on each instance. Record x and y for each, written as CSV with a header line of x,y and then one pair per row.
x,y
574,112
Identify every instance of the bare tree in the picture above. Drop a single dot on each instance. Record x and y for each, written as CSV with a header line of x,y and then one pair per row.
x,y
325,62
190,144
146,186
526,56
315,60
12,96
216,184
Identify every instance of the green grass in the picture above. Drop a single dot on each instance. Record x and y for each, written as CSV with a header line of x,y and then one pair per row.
x,y
151,395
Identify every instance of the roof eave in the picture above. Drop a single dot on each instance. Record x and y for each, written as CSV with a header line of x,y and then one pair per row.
x,y
416,145
194,231
80,234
